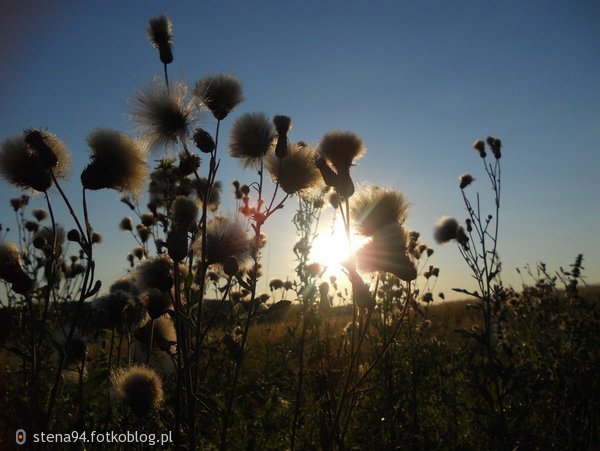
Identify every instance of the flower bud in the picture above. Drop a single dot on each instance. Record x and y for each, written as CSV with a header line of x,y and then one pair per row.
x,y
203,140
231,266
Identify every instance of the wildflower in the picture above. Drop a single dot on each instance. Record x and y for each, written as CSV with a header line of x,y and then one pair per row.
x,y
427,297
164,335
162,114
282,125
156,302
74,236
275,284
296,171
313,269
496,146
18,202
333,200
446,229
185,212
362,294
479,146
220,93
251,138
341,149
387,252
224,238
96,238
139,387
32,226
155,273
39,214
231,266
462,237
11,269
201,187
188,164
375,208
29,160
148,219
143,232
117,162
203,140
76,351
177,243
465,180
44,238
138,253
160,33
125,284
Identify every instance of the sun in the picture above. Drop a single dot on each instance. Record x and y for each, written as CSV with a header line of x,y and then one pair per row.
x,y
330,248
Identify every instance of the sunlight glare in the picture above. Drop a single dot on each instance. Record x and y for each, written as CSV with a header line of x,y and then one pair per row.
x,y
331,248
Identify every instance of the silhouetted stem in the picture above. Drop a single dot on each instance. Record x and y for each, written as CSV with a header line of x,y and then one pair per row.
x,y
88,279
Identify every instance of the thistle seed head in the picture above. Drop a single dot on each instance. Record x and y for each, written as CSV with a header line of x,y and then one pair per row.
x,y
220,93
139,387
117,162
251,137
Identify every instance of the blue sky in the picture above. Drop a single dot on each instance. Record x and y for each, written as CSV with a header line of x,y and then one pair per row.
x,y
418,81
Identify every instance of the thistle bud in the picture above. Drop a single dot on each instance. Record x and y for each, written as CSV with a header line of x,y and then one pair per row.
x,y
203,141
329,176
73,235
282,125
231,266
345,186
188,164
177,244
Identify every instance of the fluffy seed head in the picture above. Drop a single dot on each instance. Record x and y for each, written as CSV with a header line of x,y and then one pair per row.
x,y
479,146
446,229
160,33
139,387
185,212
251,137
51,151
39,214
387,252
164,336
156,302
465,180
117,162
10,261
163,115
296,171
155,273
220,93
375,208
225,238
341,149
28,160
